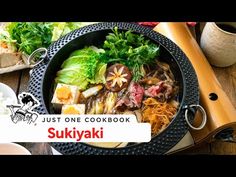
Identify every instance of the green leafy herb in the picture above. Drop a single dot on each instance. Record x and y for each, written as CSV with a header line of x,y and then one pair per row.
x,y
30,35
130,49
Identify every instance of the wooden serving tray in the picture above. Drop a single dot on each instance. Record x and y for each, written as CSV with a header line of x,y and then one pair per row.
x,y
22,64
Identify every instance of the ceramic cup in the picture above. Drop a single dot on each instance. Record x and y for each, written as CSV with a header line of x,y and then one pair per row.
x,y
218,42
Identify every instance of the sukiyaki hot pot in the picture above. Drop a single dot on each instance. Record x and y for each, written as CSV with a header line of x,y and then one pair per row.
x,y
118,68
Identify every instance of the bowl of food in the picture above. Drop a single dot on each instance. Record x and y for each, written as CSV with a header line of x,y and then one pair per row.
x,y
7,97
118,68
13,149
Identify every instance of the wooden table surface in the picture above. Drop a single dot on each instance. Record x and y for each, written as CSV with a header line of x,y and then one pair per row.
x,y
18,81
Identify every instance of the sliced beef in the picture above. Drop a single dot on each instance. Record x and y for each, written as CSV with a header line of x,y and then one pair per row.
x,y
133,97
154,90
168,90
136,94
163,91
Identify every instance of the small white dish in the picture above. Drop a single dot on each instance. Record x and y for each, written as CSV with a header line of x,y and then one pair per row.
x,y
7,97
8,92
13,149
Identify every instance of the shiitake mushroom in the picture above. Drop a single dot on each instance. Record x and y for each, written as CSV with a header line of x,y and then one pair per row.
x,y
118,76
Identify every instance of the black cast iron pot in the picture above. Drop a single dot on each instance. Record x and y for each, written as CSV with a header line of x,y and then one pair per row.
x,y
43,75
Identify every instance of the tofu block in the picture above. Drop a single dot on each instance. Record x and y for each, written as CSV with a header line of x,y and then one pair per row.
x,y
8,52
65,94
73,109
8,57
